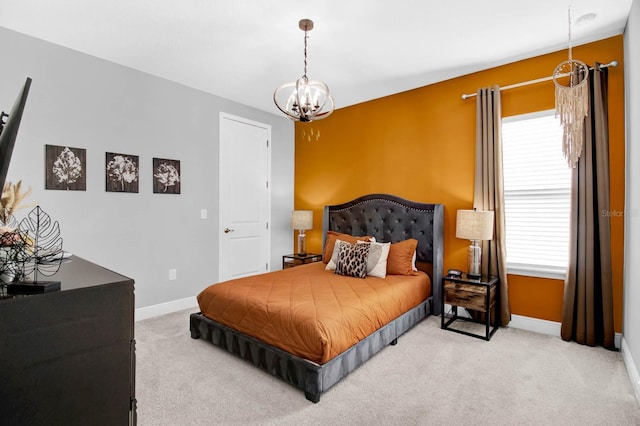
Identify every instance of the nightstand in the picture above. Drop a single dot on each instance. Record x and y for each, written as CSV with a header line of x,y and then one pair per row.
x,y
291,260
474,294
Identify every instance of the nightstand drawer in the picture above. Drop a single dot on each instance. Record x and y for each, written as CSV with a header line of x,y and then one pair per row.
x,y
479,294
290,263
468,296
291,260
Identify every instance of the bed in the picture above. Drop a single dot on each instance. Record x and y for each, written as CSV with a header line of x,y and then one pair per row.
x,y
322,336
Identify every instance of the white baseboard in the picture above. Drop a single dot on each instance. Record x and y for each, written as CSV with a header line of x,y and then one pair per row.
x,y
632,371
535,324
165,308
545,327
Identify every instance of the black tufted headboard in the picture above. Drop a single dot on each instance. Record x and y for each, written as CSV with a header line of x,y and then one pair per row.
x,y
391,219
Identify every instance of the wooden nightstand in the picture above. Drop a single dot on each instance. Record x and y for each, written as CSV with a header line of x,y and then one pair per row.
x,y
291,260
475,294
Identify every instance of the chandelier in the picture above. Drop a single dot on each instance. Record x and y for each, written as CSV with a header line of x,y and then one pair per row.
x,y
304,100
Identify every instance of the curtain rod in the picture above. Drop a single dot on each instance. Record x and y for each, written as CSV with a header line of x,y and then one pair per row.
x,y
538,80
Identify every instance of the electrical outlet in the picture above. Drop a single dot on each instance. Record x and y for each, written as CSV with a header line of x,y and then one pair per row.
x,y
172,274
203,214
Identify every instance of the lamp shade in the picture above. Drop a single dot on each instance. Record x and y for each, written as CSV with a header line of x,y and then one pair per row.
x,y
302,219
474,224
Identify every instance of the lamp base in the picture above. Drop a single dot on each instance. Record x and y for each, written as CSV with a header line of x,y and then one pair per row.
x,y
474,256
302,243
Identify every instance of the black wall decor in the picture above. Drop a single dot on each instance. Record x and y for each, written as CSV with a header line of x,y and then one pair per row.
x,y
65,168
166,176
122,172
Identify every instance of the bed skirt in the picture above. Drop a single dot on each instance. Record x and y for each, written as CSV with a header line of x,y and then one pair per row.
x,y
312,378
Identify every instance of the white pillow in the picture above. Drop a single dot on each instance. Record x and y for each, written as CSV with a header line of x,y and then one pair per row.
x,y
377,259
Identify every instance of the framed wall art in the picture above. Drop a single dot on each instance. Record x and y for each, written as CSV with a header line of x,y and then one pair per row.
x,y
122,172
166,176
65,168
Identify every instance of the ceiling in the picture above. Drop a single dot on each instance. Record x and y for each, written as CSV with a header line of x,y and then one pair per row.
x,y
243,49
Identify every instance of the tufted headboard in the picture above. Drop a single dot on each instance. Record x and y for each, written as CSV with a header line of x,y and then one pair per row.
x,y
391,219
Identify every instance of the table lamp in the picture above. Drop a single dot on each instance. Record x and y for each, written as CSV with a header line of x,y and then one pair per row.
x,y
302,220
474,225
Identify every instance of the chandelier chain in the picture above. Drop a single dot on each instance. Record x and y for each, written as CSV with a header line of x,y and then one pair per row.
x,y
305,53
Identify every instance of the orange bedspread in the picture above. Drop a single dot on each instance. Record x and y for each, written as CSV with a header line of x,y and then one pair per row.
x,y
310,312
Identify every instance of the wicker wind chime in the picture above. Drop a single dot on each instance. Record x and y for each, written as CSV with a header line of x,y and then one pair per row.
x,y
572,103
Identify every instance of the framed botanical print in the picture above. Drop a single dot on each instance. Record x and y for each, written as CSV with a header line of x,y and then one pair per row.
x,y
122,172
65,168
166,176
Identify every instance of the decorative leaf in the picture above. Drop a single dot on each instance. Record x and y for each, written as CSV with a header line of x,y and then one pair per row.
x,y
44,243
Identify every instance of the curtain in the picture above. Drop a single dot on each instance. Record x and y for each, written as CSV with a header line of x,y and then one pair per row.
x,y
587,313
489,190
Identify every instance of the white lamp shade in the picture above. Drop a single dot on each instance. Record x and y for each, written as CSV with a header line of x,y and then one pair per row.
x,y
474,224
302,219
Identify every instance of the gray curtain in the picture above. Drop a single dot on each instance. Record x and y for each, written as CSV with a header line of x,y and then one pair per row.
x,y
587,314
489,190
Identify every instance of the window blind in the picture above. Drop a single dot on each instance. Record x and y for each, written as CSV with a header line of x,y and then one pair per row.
x,y
537,189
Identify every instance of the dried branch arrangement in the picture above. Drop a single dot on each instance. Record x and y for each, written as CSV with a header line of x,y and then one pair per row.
x,y
12,200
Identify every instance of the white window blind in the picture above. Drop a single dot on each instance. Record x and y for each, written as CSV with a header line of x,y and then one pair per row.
x,y
537,185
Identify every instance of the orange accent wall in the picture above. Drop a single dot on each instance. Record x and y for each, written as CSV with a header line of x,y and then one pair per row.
x,y
420,145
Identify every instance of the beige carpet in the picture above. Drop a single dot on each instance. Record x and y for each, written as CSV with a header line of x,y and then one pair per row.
x,y
431,377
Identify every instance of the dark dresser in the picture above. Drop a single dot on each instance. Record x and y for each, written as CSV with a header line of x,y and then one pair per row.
x,y
67,357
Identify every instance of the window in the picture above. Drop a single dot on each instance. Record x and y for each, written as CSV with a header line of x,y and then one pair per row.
x,y
537,188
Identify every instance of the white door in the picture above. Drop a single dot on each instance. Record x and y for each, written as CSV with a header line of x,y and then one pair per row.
x,y
244,197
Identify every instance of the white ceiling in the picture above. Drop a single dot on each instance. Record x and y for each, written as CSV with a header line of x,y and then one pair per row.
x,y
363,49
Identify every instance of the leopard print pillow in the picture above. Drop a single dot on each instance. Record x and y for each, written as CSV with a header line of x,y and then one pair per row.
x,y
352,260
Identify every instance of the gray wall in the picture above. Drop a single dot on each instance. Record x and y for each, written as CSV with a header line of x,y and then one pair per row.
x,y
631,319
81,101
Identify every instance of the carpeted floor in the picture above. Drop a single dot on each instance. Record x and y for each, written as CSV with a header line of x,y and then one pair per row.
x,y
431,377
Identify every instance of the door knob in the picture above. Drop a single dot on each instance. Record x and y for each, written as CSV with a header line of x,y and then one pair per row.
x,y
227,230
